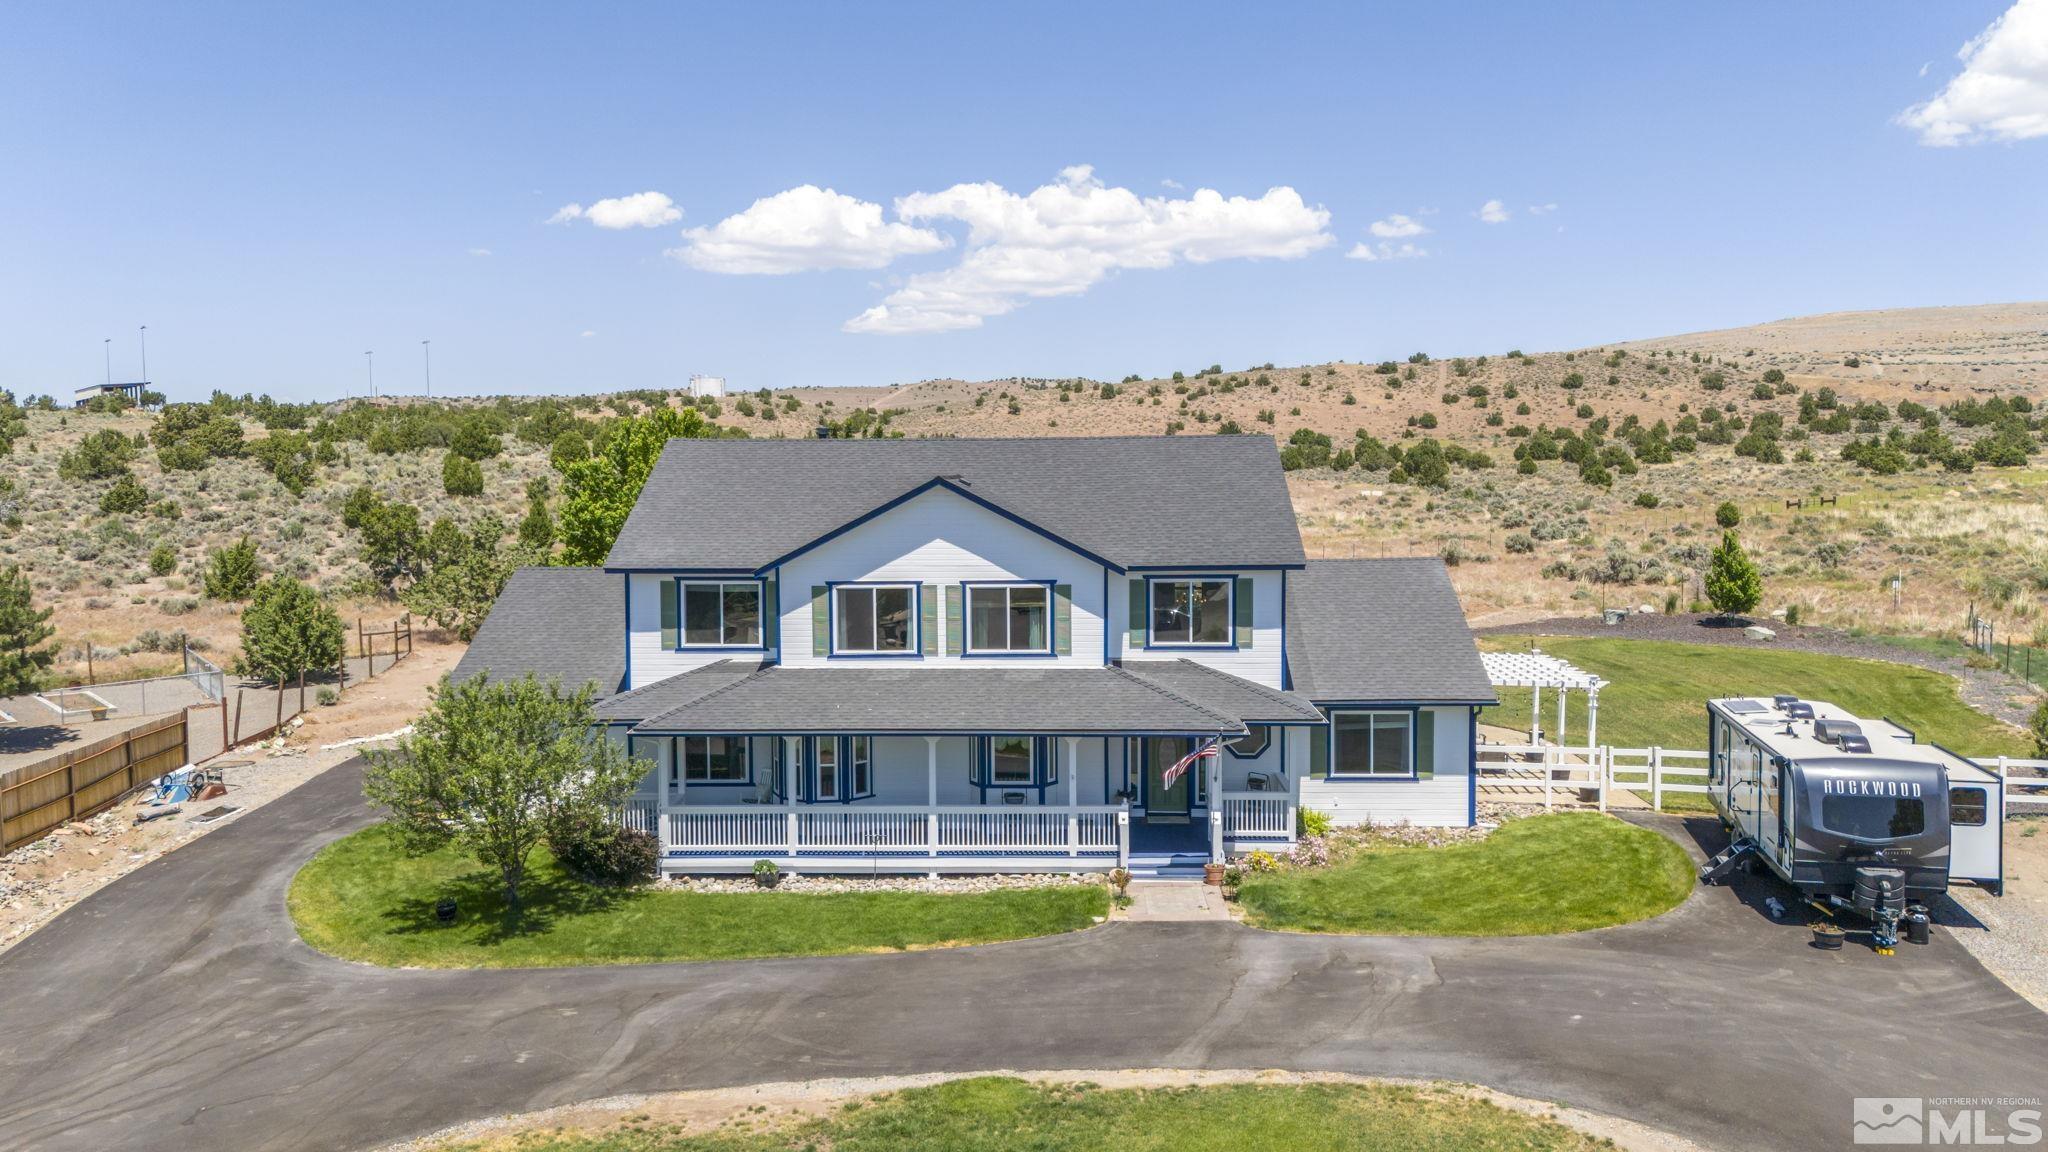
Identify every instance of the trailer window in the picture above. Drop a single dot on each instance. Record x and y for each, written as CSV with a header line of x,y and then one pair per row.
x,y
1967,806
1873,817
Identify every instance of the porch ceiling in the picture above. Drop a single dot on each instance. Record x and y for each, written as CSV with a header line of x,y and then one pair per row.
x,y
929,701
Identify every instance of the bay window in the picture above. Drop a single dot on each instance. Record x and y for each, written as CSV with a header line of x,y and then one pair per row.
x,y
1372,744
1009,618
1191,611
825,763
874,618
1011,760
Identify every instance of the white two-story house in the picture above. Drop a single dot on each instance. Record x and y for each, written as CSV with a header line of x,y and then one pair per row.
x,y
1000,655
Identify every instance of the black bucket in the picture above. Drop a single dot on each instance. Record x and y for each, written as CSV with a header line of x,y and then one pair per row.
x,y
1919,929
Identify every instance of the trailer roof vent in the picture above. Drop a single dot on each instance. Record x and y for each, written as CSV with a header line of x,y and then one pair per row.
x,y
1855,742
1783,701
1744,707
1799,711
1834,731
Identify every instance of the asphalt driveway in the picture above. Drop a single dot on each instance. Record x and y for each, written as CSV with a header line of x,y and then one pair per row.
x,y
177,1009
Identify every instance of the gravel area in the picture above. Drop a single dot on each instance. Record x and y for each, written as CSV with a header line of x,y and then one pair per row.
x,y
2009,934
798,882
1990,691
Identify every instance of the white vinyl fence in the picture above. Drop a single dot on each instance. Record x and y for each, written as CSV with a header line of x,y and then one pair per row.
x,y
1549,772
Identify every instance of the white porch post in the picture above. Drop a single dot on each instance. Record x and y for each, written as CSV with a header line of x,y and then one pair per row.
x,y
931,793
1214,768
1073,744
793,757
1535,713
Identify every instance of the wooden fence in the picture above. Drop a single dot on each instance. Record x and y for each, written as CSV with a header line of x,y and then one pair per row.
x,y
38,797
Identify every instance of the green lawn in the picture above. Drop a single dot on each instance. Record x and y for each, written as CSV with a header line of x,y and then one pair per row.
x,y
997,1114
1657,693
363,899
1536,876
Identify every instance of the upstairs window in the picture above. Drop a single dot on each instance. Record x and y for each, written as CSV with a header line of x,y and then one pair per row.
x,y
874,619
1009,618
721,615
1191,611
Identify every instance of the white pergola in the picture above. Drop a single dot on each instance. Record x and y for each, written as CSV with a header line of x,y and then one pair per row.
x,y
1536,671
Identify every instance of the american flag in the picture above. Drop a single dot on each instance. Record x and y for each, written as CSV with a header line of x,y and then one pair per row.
x,y
1206,750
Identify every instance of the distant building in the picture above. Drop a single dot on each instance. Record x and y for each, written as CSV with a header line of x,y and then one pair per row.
x,y
712,387
133,391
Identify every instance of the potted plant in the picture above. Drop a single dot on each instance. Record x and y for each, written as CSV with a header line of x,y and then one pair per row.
x,y
766,874
1212,875
1827,934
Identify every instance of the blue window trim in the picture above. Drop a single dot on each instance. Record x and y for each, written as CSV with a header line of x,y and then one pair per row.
x,y
1230,746
777,650
1286,672
958,490
842,774
1228,578
1106,656
1414,712
916,649
1185,567
682,622
628,681
681,767
1472,767
1051,620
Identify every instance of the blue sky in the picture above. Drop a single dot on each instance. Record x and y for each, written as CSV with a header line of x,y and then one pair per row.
x,y
274,190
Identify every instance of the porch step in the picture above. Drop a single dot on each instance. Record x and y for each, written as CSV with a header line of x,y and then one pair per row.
x,y
1168,865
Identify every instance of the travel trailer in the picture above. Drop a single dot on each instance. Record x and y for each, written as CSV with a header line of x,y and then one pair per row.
x,y
1856,814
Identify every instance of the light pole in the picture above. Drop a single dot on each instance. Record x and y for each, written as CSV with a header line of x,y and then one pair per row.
x,y
109,343
427,354
370,366
145,353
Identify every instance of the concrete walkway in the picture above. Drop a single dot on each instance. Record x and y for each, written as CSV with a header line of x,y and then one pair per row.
x,y
177,1009
1174,901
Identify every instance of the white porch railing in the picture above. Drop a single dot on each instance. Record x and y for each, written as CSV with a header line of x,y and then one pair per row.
x,y
856,829
1258,816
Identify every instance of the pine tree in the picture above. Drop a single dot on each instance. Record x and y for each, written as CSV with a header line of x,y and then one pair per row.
x,y
288,630
24,655
1733,584
232,573
537,530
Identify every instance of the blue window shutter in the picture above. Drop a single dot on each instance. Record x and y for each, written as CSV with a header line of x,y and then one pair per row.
x,y
1425,744
671,613
821,621
771,616
1137,623
1241,611
928,619
1063,619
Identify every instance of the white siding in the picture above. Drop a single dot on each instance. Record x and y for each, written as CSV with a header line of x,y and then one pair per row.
x,y
1444,801
941,538
1259,663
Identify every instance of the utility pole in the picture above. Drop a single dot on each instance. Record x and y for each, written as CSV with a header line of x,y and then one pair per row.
x,y
370,366
427,354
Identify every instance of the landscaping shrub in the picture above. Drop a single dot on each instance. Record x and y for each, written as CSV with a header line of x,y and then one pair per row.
x,y
601,852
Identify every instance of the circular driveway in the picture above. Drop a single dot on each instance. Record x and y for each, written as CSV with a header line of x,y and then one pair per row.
x,y
178,1009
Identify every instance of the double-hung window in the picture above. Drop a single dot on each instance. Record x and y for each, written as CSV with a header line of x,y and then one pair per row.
x,y
860,766
713,759
1009,618
874,619
1012,760
721,615
826,764
1372,744
1191,611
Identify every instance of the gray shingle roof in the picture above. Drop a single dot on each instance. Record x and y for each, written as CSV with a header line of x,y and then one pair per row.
x,y
931,701
1220,692
1133,500
557,623
1381,630
671,693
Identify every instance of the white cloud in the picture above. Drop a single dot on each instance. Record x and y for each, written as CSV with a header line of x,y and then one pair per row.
x,y
1173,184
802,229
589,332
1396,227
1493,212
1063,238
479,251
1542,209
1385,251
640,210
2002,91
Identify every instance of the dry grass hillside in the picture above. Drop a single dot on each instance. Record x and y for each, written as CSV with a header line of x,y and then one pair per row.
x,y
1523,544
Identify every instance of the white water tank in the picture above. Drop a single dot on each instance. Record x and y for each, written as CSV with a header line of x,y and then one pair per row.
x,y
707,386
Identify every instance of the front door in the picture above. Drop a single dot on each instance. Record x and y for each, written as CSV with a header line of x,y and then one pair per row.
x,y
1166,805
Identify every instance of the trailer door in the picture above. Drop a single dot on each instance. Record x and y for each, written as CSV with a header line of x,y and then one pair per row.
x,y
1976,814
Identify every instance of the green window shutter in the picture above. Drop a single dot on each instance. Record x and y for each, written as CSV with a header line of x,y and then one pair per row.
x,y
821,621
1063,619
954,636
1137,621
928,619
671,615
1425,744
1241,611
1319,751
771,615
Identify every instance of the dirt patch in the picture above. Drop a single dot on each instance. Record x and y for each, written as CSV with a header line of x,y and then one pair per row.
x,y
767,1104
42,879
